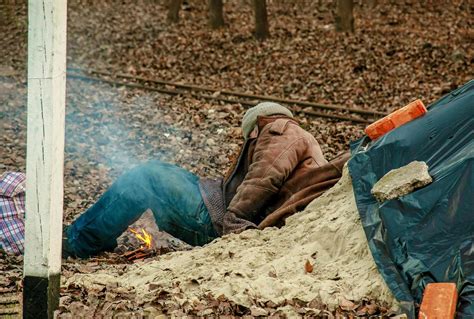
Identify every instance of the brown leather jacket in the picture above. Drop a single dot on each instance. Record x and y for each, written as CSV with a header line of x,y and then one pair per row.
x,y
279,171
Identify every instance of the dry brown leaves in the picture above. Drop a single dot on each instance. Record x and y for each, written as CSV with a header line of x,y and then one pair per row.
x,y
102,301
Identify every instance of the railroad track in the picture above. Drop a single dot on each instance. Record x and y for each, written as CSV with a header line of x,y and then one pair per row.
x,y
338,112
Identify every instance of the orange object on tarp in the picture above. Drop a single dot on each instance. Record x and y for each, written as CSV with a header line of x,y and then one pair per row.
x,y
399,117
439,301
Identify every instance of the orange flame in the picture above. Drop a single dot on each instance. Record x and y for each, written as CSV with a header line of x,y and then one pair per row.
x,y
143,236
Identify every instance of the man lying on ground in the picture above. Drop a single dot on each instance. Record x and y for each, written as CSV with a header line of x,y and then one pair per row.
x,y
279,171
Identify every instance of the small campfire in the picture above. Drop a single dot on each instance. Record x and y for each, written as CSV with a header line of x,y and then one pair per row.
x,y
145,250
144,237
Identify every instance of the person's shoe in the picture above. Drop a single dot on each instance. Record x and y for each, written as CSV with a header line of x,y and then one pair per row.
x,y
66,249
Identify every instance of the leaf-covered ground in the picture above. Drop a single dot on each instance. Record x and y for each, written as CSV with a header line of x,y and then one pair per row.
x,y
401,50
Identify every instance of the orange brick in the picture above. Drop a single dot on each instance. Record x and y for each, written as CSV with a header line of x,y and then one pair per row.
x,y
395,119
439,301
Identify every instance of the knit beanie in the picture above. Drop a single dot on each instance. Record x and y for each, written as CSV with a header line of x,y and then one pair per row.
x,y
262,109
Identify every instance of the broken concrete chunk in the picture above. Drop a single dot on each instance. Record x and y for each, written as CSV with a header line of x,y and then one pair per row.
x,y
402,181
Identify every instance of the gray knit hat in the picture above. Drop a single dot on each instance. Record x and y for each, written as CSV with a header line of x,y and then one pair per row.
x,y
262,109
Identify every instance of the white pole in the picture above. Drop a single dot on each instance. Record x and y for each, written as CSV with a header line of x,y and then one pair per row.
x,y
44,156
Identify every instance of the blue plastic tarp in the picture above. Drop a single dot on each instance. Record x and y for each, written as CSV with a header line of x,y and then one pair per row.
x,y
427,235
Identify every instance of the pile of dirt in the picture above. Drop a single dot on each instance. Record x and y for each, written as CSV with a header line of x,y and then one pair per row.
x,y
321,254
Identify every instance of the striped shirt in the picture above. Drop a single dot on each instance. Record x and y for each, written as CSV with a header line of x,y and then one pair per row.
x,y
12,212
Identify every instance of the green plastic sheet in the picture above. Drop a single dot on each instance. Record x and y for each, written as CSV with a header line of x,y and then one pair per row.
x,y
427,235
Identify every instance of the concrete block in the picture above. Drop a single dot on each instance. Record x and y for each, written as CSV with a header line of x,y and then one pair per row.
x,y
402,181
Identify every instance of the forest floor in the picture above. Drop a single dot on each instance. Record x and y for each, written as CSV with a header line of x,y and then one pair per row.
x,y
400,51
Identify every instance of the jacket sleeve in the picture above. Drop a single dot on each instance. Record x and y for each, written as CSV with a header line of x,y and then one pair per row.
x,y
274,159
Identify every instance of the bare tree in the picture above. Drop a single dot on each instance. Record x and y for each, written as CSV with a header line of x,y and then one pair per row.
x,y
344,15
261,21
7,12
173,10
371,4
216,14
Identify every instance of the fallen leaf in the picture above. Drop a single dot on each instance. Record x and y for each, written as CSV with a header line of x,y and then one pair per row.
x,y
258,312
347,305
308,267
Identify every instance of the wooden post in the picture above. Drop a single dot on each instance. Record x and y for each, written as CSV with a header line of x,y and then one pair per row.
x,y
44,156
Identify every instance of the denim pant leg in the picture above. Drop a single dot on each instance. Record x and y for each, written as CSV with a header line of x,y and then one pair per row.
x,y
173,195
178,206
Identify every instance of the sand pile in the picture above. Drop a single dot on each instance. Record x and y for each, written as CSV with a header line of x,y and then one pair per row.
x,y
269,265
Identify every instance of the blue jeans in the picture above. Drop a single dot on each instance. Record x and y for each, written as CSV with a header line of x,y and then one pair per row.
x,y
172,194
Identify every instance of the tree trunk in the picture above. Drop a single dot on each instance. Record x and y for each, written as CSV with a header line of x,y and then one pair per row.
x,y
173,11
344,16
371,4
7,13
261,20
216,14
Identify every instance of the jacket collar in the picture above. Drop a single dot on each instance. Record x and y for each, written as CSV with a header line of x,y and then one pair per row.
x,y
263,121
